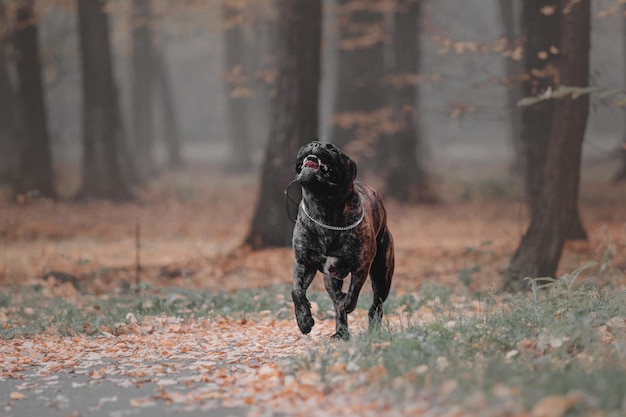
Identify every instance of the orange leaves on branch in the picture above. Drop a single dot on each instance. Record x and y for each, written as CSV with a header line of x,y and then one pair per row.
x,y
237,80
547,10
398,81
503,46
362,36
459,109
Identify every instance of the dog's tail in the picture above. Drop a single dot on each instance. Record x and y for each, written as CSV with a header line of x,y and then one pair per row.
x,y
381,271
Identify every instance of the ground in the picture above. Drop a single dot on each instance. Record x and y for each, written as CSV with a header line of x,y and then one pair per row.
x,y
187,233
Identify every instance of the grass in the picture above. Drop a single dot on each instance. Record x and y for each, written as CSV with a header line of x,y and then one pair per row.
x,y
29,310
500,353
563,338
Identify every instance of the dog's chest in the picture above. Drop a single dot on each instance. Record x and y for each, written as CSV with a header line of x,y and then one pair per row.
x,y
335,253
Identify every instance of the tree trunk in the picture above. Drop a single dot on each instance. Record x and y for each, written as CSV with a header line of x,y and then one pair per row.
x,y
106,162
143,69
295,119
541,247
621,173
513,68
234,44
170,118
360,98
35,169
8,104
541,29
405,177
542,34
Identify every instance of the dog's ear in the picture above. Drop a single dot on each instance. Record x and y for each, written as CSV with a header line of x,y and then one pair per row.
x,y
351,168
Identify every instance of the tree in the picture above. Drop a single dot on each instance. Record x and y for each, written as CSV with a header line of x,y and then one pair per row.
x,y
295,119
233,15
508,14
621,173
541,22
360,98
540,249
35,168
541,30
8,104
405,178
106,162
170,118
143,76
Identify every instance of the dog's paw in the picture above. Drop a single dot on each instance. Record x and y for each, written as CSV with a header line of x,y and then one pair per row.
x,y
305,321
341,335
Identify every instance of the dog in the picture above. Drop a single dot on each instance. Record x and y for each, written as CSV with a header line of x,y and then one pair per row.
x,y
341,229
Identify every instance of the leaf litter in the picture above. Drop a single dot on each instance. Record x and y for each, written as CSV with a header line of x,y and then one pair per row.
x,y
235,360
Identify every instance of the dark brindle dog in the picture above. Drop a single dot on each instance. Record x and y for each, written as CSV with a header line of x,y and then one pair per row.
x,y
341,228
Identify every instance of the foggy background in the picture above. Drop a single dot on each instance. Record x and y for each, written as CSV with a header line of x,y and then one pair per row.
x,y
191,39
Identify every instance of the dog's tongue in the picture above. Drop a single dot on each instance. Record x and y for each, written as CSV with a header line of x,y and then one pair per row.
x,y
311,164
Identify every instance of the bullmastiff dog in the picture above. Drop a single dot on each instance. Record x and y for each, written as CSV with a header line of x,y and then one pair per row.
x,y
341,229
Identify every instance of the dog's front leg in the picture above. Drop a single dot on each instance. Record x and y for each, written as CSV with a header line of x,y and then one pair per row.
x,y
302,277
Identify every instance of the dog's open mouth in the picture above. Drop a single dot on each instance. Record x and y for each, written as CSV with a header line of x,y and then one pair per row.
x,y
313,162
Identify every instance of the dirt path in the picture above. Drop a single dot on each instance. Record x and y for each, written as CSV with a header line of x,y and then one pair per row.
x,y
165,366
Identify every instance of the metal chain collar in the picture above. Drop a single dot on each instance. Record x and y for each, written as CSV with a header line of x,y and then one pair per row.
x,y
329,227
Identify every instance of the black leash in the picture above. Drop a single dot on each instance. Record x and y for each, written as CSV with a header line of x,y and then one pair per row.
x,y
294,201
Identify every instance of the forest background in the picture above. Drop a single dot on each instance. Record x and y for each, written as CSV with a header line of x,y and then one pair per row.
x,y
147,144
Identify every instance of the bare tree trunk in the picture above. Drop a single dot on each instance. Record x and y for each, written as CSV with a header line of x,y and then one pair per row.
x,y
35,170
621,173
234,44
8,104
513,71
541,49
541,247
295,119
143,69
106,162
405,177
359,95
170,118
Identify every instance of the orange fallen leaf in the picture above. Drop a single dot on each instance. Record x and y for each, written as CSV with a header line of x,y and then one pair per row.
x,y
555,405
17,396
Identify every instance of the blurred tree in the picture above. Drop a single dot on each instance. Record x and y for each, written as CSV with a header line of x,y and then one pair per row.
x,y
8,104
170,118
143,85
541,20
234,17
35,168
541,30
513,69
621,173
295,119
405,177
106,161
540,249
360,114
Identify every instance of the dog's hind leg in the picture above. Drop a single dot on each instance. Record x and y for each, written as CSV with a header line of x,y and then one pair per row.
x,y
334,288
381,274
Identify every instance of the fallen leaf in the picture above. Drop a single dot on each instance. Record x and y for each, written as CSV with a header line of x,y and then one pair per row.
x,y
17,396
555,405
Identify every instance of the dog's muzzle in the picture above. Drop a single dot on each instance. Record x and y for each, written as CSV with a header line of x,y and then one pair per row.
x,y
312,161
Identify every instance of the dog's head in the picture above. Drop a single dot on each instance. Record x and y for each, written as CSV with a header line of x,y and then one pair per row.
x,y
324,170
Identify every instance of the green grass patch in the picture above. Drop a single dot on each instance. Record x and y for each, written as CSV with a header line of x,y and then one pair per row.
x,y
563,338
28,310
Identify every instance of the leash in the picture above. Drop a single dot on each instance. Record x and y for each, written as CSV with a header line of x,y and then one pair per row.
x,y
295,202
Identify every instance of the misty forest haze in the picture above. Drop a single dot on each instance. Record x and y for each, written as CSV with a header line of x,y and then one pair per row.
x,y
201,84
